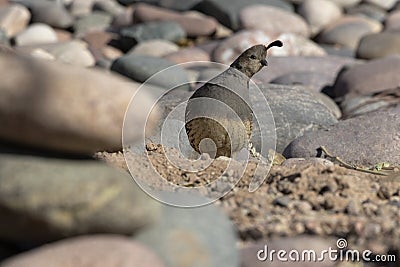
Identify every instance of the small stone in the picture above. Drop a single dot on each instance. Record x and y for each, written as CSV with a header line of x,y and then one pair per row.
x,y
13,19
227,11
63,36
49,12
140,68
97,40
348,30
110,7
371,11
392,22
346,3
178,5
387,4
81,8
279,20
371,77
3,38
96,21
319,13
37,33
42,54
74,53
193,25
170,31
155,48
85,251
188,55
379,45
282,201
353,208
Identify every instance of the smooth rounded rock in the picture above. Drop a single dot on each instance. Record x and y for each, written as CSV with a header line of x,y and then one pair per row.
x,y
74,52
353,106
41,203
14,19
3,38
167,30
81,8
186,237
155,48
227,11
96,21
385,4
365,140
193,25
346,3
379,45
296,110
37,33
316,81
110,7
178,4
279,20
97,41
319,13
367,78
293,45
371,11
348,30
392,22
140,68
74,110
188,55
326,66
84,251
49,12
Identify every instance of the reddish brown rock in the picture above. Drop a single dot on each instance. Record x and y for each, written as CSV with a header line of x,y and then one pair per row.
x,y
85,251
155,48
392,22
14,18
188,55
193,25
370,77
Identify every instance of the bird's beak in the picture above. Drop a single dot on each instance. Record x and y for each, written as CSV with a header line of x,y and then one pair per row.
x,y
264,62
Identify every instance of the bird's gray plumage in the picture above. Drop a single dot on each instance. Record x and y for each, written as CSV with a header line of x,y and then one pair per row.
x,y
220,111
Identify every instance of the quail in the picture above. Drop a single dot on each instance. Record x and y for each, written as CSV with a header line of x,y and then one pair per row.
x,y
218,116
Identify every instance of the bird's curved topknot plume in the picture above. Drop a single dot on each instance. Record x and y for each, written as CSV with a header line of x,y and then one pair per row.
x,y
276,43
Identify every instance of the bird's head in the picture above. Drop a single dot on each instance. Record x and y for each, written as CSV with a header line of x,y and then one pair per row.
x,y
253,59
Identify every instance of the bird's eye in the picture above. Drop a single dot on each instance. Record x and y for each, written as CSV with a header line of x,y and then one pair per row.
x,y
253,57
